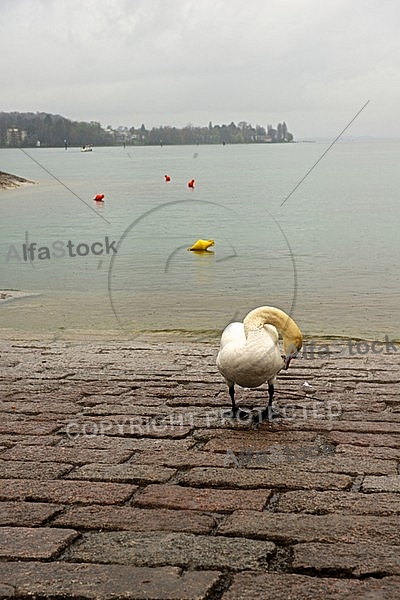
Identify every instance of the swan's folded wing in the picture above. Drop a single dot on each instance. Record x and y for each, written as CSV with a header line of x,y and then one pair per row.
x,y
233,333
249,363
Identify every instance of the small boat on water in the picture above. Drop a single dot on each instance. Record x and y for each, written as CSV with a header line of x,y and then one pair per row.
x,y
86,148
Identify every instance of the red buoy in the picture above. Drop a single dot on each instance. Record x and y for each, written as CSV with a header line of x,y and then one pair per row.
x,y
167,178
191,183
98,197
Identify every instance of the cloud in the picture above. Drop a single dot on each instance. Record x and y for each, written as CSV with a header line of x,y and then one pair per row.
x,y
169,61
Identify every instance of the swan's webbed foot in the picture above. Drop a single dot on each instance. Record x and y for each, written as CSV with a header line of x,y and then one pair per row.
x,y
268,414
237,413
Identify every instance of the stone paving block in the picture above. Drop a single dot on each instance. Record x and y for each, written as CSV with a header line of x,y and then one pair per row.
x,y
350,465
118,413
200,417
68,492
177,459
201,400
28,427
27,514
33,542
100,399
147,445
175,549
296,528
139,426
106,582
125,473
154,395
218,440
65,395
341,502
39,406
383,385
61,454
361,415
271,586
391,483
368,451
27,470
279,477
373,427
129,518
6,591
175,496
58,418
365,439
361,559
356,406
9,440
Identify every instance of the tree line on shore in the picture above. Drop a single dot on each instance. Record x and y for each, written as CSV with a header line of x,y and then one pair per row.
x,y
48,130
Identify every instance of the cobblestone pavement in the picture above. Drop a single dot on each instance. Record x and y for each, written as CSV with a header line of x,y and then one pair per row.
x,y
120,477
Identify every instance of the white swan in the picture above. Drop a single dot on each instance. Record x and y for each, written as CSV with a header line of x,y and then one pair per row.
x,y
249,354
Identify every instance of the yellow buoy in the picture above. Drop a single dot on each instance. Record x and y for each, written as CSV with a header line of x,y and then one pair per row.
x,y
202,245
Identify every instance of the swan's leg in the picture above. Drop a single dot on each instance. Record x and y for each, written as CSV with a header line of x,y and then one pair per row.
x,y
271,391
232,395
268,412
235,412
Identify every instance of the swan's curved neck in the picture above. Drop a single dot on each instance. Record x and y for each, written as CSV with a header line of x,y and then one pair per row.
x,y
268,315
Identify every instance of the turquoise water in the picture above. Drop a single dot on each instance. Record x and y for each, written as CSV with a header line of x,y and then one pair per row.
x,y
329,255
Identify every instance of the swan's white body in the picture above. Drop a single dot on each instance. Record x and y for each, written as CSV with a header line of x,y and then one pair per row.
x,y
250,355
250,361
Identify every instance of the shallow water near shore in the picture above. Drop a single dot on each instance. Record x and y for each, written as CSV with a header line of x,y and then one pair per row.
x,y
329,255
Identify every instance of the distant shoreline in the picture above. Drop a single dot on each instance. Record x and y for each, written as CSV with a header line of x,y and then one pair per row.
x,y
9,181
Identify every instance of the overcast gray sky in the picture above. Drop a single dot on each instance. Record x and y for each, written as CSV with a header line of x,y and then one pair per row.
x,y
312,63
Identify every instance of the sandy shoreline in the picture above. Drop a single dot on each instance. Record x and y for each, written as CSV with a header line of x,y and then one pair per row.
x,y
9,181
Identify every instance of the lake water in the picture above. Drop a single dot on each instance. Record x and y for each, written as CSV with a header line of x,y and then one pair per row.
x,y
329,255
